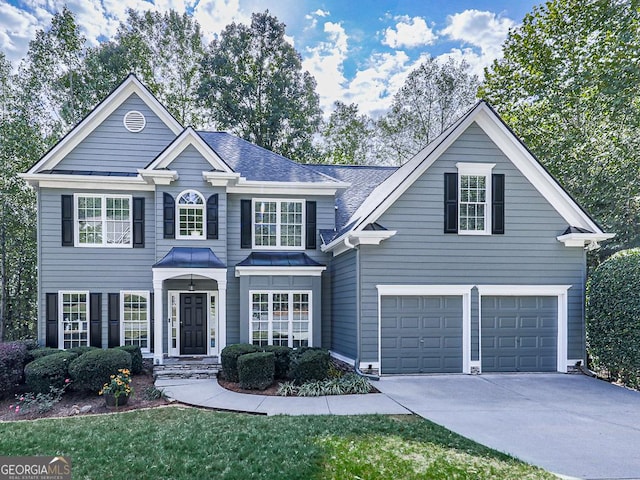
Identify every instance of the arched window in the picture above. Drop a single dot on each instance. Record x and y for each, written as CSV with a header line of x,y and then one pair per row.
x,y
190,215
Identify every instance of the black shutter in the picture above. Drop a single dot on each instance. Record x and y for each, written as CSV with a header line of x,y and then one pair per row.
x,y
169,215
212,217
52,321
114,319
245,223
67,221
95,319
310,227
151,319
497,203
450,203
138,222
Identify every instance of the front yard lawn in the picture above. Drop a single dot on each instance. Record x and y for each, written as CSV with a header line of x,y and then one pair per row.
x,y
186,443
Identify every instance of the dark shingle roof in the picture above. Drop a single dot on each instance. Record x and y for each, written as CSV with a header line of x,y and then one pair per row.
x,y
257,163
363,180
279,259
186,257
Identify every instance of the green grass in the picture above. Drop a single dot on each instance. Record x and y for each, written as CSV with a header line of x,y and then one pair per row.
x,y
184,443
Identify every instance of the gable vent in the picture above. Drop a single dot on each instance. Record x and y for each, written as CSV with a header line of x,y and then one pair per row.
x,y
134,121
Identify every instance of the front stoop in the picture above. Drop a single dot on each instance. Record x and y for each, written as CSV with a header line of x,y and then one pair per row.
x,y
187,368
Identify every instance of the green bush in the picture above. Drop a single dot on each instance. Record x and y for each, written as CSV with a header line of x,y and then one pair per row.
x,y
229,359
81,350
92,370
48,371
256,370
309,364
41,352
613,318
136,358
12,359
282,359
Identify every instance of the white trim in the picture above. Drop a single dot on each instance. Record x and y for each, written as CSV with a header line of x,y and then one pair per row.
x,y
158,177
246,271
93,182
370,237
141,293
202,208
290,293
189,137
61,294
559,291
278,202
583,239
211,351
127,123
476,170
213,294
432,290
286,188
374,366
342,358
220,179
104,244
131,85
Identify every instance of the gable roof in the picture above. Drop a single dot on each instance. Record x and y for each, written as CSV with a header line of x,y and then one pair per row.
x,y
129,86
385,194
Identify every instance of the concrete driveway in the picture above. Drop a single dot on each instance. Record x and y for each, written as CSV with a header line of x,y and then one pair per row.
x,y
571,425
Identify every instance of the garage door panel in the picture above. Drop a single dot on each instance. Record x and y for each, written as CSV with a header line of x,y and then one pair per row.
x,y
427,332
519,333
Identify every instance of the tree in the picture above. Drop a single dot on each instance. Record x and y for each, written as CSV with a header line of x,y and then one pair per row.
x,y
346,136
253,85
434,95
568,85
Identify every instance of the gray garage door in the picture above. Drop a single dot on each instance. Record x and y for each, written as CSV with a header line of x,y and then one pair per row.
x,y
421,334
519,334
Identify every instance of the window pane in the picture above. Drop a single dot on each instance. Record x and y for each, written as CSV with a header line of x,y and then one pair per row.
x,y
472,202
260,319
291,224
280,327
74,320
300,320
265,224
118,221
90,220
134,320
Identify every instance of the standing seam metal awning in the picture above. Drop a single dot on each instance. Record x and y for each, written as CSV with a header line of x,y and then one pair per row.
x,y
187,257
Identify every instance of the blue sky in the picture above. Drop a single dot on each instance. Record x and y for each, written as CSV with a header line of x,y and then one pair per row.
x,y
358,50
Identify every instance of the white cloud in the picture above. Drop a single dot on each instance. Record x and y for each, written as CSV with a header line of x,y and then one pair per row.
x,y
214,16
322,13
481,29
409,32
17,28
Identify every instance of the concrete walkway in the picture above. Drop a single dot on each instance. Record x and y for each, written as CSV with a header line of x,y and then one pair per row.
x,y
208,393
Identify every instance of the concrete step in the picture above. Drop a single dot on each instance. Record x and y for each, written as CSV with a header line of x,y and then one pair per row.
x,y
191,370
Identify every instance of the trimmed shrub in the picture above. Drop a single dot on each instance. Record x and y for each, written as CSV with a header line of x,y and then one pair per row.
x,y
229,359
282,359
92,370
81,350
136,358
48,371
613,318
41,352
309,364
12,359
256,370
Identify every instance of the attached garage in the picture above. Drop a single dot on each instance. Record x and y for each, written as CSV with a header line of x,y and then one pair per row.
x,y
422,333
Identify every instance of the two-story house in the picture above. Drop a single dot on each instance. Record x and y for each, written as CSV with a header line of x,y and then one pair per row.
x,y
469,257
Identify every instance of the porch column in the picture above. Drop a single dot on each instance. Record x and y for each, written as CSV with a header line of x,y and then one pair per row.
x,y
222,314
158,323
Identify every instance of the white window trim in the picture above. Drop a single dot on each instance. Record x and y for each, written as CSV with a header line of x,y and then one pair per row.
x,y
61,294
141,293
104,244
480,170
270,294
278,202
175,352
202,235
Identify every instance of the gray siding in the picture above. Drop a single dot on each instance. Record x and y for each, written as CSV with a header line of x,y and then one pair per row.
x,y
112,148
344,311
420,253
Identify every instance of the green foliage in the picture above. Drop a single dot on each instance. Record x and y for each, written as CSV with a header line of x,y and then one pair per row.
x,y
282,358
613,317
49,371
229,359
346,136
40,402
308,364
350,383
153,393
136,358
287,389
256,370
81,350
92,370
253,85
41,352
12,360
567,84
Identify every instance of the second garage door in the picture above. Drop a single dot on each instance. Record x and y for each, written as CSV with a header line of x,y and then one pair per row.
x,y
519,333
421,334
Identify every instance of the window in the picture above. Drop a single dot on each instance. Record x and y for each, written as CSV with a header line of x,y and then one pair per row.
x,y
190,215
278,224
474,192
74,307
135,319
103,220
280,318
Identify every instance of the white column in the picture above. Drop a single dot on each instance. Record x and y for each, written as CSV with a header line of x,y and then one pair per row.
x,y
222,314
158,322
